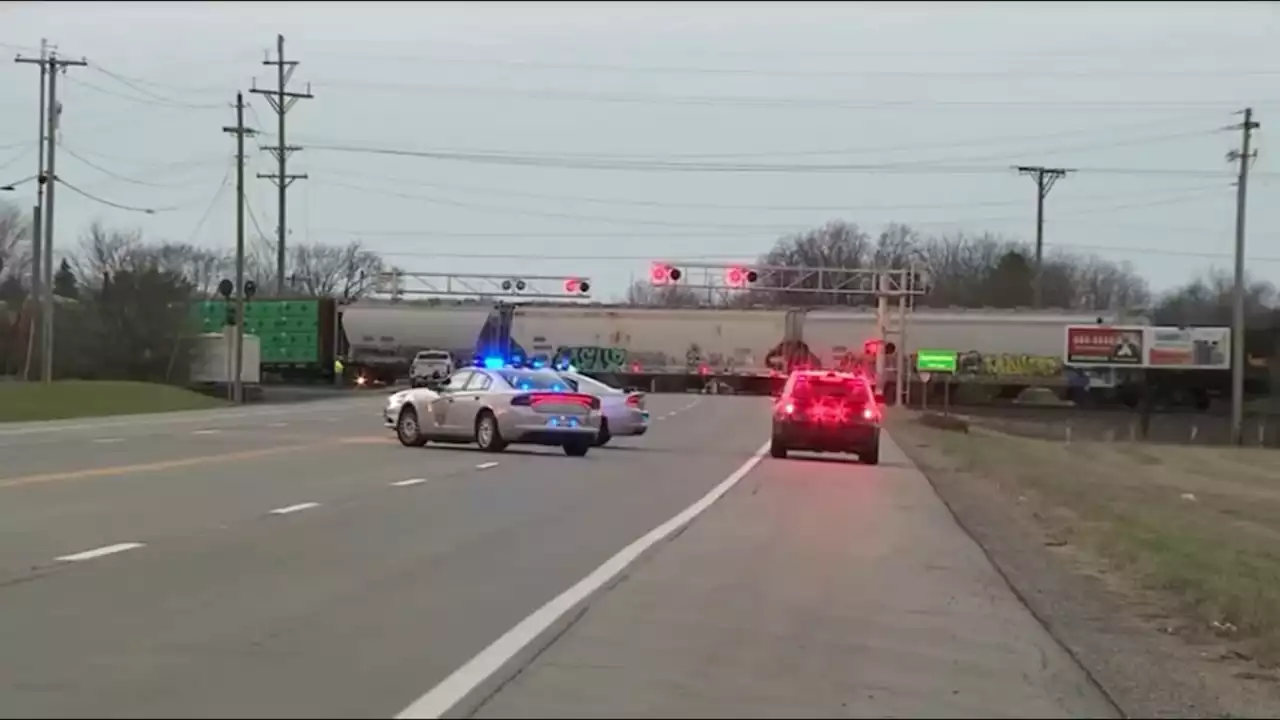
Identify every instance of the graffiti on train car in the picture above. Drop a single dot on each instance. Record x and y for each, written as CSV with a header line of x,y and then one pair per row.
x,y
594,358
998,365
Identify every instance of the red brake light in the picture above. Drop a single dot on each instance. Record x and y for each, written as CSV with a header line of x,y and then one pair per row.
x,y
869,414
635,400
533,400
789,408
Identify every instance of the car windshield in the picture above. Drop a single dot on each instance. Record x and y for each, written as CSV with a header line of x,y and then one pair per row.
x,y
582,383
817,387
433,356
534,380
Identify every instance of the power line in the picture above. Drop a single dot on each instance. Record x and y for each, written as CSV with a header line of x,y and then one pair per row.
x,y
150,102
634,202
816,73
156,96
783,101
584,163
204,217
112,173
883,149
648,222
741,256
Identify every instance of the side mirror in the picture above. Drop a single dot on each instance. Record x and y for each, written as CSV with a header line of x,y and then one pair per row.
x,y
879,398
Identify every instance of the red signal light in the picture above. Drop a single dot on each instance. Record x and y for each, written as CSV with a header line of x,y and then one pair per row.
x,y
871,347
576,285
734,277
659,274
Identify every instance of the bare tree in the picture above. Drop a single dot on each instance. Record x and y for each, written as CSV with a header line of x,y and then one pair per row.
x,y
346,272
15,244
643,294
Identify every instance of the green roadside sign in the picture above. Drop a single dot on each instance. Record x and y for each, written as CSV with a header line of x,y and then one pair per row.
x,y
936,361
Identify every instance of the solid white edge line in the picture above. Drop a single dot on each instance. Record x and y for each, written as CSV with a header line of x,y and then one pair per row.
x,y
407,483
99,552
453,689
294,508
105,441
486,466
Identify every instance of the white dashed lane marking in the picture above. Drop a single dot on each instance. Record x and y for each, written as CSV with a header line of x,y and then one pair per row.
x,y
278,425
407,483
100,552
486,466
294,508
205,432
106,441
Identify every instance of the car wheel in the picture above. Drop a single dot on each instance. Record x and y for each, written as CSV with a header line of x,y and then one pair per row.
x,y
488,436
604,436
408,430
871,456
577,448
777,449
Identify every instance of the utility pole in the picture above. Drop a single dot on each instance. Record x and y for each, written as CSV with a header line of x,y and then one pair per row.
x,y
240,131
281,100
1244,156
52,65
1045,179
34,337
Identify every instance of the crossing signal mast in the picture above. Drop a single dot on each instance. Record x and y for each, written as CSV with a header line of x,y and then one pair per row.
x,y
532,287
895,291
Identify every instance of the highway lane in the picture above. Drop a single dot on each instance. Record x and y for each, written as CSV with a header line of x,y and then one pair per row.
x,y
157,481
351,606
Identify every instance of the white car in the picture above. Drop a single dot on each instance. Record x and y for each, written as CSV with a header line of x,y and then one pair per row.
x,y
622,412
494,407
430,366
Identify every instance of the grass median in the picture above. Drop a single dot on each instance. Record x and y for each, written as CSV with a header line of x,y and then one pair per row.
x,y
26,401
1197,528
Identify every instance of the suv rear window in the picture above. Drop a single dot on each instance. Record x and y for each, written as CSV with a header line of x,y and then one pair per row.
x,y
433,355
814,387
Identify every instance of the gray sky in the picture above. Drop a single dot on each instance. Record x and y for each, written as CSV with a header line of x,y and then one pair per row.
x,y
1133,94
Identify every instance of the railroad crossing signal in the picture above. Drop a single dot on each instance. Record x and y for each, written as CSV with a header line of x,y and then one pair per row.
x,y
664,274
577,285
740,277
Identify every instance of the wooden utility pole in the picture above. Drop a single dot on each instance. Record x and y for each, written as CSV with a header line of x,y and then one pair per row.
x,y
240,131
1045,179
1244,157
50,65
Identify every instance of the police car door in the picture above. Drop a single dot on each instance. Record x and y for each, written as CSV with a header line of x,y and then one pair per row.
x,y
445,398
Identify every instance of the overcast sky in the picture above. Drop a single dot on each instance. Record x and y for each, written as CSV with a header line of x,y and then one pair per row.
x,y
1135,96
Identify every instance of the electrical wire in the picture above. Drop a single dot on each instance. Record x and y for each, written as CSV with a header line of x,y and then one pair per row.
x,y
632,202
759,227
217,195
741,257
28,147
789,102
111,173
119,206
686,70
584,163
155,96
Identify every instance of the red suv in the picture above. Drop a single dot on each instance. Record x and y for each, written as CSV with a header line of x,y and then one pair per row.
x,y
827,411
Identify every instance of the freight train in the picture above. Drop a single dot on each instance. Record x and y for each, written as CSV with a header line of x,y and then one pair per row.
x,y
1000,353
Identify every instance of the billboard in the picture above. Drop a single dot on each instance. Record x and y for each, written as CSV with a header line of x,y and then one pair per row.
x,y
1105,345
1200,348
1136,346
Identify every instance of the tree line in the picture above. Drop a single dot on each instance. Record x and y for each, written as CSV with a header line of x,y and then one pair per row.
x,y
123,302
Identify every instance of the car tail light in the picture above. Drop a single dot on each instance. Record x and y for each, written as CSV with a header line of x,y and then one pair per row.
x,y
635,400
590,402
870,414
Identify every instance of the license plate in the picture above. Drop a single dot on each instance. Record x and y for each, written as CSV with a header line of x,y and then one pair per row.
x,y
563,421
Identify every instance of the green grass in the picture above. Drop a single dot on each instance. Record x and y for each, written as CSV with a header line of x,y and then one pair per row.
x,y
24,401
1198,525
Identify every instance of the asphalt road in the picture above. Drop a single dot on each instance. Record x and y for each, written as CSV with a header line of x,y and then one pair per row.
x,y
287,562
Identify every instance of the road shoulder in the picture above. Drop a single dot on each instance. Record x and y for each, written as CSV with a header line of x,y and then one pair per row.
x,y
1130,648
814,588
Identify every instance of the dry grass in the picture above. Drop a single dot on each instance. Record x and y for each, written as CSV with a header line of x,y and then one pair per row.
x,y
1200,526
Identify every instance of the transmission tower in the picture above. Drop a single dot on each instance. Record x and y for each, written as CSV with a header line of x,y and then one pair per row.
x,y
281,100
